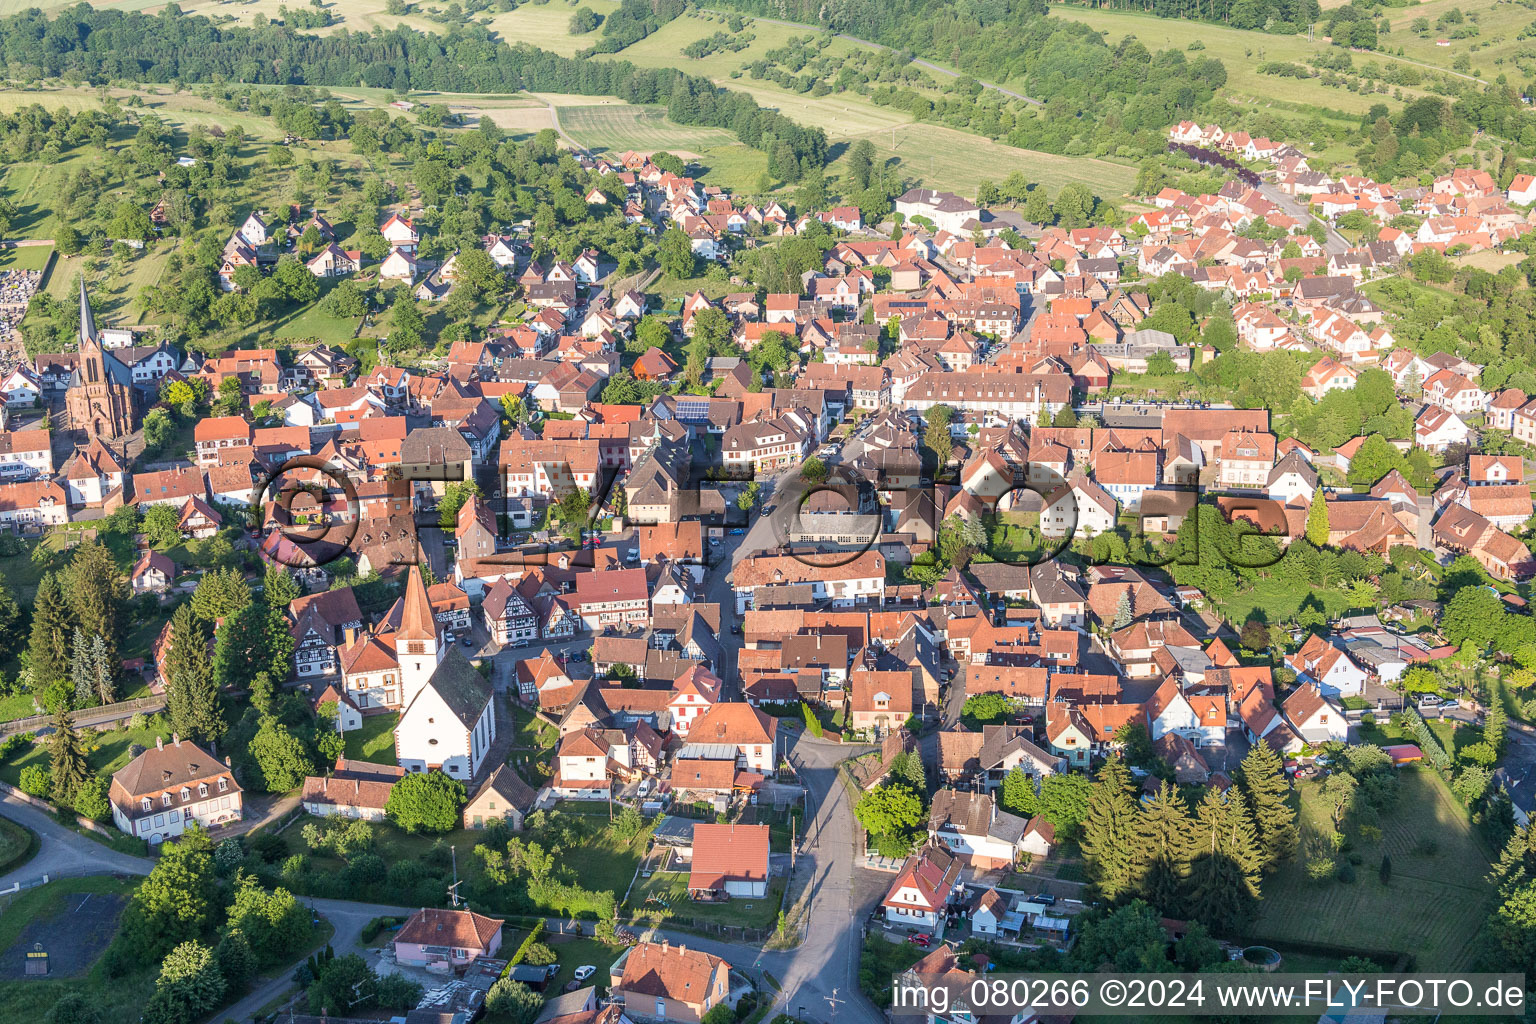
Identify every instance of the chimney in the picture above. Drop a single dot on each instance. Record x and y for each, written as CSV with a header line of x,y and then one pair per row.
x,y
176,739
159,743
350,632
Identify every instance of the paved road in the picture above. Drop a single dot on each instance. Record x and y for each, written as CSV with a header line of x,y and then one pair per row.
x,y
820,979
62,852
1334,243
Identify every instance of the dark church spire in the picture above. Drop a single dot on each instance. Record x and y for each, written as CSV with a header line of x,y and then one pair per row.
x,y
87,319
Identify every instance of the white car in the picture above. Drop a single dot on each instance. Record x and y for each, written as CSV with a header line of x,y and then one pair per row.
x,y
584,972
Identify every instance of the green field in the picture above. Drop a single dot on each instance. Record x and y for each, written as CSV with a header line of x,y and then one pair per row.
x,y
614,127
1242,51
1433,907
375,741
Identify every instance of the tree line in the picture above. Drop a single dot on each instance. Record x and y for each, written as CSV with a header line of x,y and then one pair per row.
x,y
103,45
1203,863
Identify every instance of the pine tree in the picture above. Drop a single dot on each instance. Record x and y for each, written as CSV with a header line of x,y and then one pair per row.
x,y
1317,520
1109,838
1496,723
103,678
191,697
1165,828
80,668
1122,610
52,621
1513,868
69,768
96,592
1224,874
1261,777
11,622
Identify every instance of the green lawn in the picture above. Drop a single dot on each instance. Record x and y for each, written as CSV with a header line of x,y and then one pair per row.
x,y
17,845
575,951
31,257
1434,905
375,741
17,705
615,127
672,886
530,733
106,752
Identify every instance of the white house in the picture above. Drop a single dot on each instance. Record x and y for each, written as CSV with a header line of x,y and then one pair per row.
x,y
1327,666
159,792
1082,509
400,233
21,388
922,888
1522,190
1313,716
1199,719
970,826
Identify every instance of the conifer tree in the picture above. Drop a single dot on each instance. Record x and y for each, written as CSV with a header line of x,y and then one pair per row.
x,y
1109,839
1261,777
52,622
96,591
103,678
1165,828
191,697
1317,520
1224,874
1122,610
69,770
81,671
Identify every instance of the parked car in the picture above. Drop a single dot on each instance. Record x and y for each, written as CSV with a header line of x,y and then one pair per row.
x,y
919,939
1450,704
551,971
738,532
1428,700
584,972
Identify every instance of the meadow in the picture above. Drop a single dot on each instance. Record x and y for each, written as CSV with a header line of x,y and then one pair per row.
x,y
1241,51
1434,904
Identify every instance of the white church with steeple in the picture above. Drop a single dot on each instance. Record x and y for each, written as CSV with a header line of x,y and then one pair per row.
x,y
449,721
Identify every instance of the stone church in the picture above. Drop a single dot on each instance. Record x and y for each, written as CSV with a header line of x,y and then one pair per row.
x,y
101,399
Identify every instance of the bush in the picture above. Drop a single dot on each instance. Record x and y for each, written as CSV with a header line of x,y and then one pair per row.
x,y
1346,873
531,939
36,780
539,955
15,746
372,928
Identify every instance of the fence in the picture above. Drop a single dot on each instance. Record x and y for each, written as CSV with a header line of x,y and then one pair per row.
x,y
87,717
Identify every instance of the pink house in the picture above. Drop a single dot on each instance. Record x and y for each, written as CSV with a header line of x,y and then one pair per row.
x,y
453,937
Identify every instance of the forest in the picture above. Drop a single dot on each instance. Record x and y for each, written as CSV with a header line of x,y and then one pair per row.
x,y
1281,17
97,45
